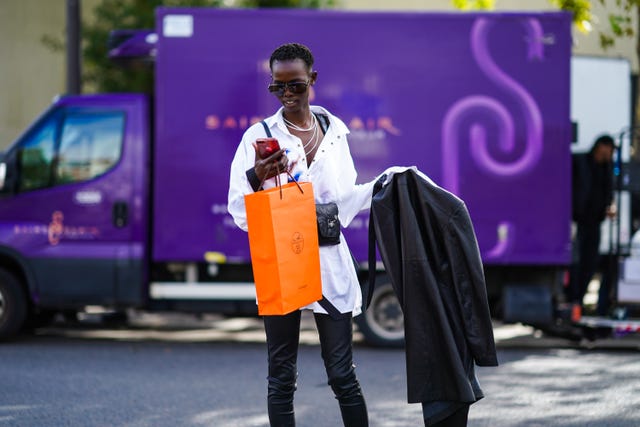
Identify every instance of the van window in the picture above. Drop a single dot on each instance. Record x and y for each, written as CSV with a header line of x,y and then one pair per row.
x,y
36,157
90,145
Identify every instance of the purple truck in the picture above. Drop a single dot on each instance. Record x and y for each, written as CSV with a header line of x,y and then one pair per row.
x,y
119,200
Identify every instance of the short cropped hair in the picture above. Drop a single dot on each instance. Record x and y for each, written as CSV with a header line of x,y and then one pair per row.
x,y
290,52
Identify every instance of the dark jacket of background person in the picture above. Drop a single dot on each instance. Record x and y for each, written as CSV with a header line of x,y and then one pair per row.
x,y
429,249
592,188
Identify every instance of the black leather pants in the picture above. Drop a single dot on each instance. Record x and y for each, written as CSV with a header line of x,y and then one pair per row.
x,y
458,418
283,334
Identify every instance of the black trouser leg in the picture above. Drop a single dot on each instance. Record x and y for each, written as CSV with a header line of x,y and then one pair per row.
x,y
335,341
588,241
283,336
457,419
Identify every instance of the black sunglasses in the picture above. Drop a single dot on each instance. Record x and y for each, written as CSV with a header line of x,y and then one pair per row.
x,y
294,87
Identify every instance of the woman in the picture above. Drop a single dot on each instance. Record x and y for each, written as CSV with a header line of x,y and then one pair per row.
x,y
313,148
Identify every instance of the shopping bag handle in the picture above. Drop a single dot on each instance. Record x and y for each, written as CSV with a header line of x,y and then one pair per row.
x,y
268,132
278,183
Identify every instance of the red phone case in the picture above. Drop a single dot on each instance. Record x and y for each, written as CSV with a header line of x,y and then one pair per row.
x,y
267,146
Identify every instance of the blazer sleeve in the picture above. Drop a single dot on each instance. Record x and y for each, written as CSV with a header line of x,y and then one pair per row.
x,y
462,250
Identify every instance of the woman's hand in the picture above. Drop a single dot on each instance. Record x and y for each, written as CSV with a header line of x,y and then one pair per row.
x,y
270,166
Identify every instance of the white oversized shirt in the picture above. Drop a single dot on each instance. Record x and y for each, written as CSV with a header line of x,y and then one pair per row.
x,y
333,176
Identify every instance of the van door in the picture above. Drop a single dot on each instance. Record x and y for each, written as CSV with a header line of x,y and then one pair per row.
x,y
79,202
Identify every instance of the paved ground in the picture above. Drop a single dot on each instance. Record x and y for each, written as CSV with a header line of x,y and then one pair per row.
x,y
180,327
178,370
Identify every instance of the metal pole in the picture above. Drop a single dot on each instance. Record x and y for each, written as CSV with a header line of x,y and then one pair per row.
x,y
73,47
615,260
618,187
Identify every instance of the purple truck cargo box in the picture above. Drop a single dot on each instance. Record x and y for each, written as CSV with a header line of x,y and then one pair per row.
x,y
479,102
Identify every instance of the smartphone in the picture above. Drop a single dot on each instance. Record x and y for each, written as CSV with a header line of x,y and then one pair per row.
x,y
267,146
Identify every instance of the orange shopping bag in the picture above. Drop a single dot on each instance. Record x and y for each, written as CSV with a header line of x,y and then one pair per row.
x,y
283,239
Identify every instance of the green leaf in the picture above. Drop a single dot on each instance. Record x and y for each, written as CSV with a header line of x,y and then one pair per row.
x,y
614,22
606,41
473,4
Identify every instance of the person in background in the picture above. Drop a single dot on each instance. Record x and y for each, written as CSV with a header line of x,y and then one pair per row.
x,y
592,202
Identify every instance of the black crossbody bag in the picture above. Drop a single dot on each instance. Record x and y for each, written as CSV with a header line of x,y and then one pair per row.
x,y
328,224
326,213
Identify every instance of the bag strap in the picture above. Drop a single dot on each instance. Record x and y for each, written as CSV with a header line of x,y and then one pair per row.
x,y
324,122
266,128
332,310
372,245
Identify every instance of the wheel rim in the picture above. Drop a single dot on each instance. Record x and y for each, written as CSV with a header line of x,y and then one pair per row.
x,y
384,317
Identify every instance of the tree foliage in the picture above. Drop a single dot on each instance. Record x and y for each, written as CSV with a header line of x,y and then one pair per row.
x,y
580,10
474,4
620,24
309,4
100,74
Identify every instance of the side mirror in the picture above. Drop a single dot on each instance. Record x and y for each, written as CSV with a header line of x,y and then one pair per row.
x,y
7,175
3,174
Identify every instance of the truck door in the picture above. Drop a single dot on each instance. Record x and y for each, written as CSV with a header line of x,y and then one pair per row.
x,y
78,202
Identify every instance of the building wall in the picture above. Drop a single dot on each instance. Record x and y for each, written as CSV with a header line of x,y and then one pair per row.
x,y
31,74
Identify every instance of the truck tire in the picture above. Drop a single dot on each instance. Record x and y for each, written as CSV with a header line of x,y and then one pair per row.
x,y
13,305
382,324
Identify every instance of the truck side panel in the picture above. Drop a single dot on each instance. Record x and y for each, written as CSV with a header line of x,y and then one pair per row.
x,y
479,102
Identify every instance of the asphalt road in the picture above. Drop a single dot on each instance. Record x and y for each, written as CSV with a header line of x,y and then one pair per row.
x,y
172,371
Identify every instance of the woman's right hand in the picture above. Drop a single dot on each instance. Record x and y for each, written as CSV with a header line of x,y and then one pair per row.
x,y
270,166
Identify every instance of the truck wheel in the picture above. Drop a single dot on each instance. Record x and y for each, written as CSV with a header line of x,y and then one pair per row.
x,y
382,324
13,305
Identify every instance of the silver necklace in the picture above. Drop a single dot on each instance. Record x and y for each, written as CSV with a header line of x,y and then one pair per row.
x,y
315,144
313,135
298,128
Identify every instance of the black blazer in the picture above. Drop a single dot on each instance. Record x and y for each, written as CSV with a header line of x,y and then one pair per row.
x,y
429,249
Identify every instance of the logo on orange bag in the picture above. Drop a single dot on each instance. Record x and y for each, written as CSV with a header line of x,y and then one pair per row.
x,y
297,242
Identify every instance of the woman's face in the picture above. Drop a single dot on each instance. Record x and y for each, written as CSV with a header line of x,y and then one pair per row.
x,y
294,81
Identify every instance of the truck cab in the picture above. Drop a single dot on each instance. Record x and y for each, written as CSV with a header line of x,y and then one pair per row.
x,y
74,208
